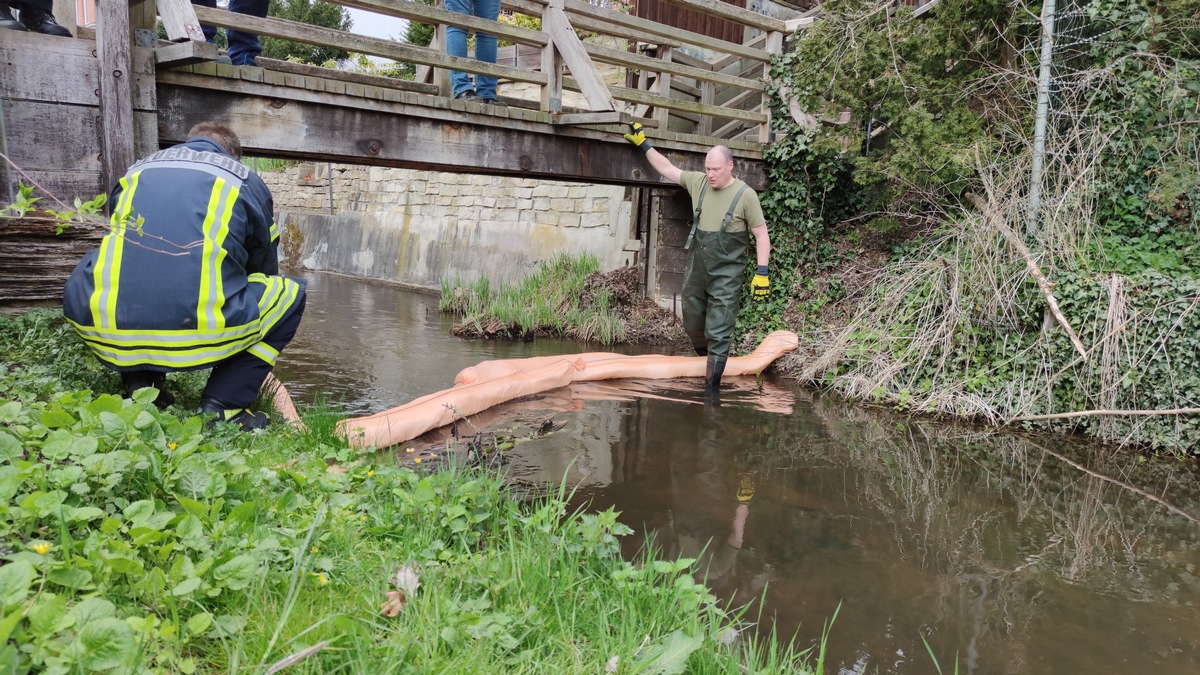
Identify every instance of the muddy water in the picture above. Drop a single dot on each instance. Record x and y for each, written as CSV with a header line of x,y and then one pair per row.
x,y
1011,554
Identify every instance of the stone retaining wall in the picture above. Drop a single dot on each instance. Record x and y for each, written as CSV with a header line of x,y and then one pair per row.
x,y
419,227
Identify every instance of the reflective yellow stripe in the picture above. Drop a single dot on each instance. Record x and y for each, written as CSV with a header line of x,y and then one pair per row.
x,y
274,231
209,314
165,338
106,277
170,358
265,352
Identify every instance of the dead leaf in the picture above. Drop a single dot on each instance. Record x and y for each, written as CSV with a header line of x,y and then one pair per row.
x,y
336,469
394,604
613,664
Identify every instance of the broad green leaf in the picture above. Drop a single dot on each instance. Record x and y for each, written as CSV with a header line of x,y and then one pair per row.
x,y
84,513
9,411
186,587
105,644
10,447
191,533
113,425
138,512
670,656
70,577
199,623
15,579
237,573
57,419
92,609
49,616
57,445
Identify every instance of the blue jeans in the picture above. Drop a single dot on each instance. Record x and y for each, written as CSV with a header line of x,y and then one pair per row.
x,y
485,46
243,47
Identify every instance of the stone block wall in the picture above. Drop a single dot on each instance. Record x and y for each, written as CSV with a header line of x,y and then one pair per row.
x,y
419,227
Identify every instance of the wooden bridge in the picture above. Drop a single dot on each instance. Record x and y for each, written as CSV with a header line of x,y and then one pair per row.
x,y
117,92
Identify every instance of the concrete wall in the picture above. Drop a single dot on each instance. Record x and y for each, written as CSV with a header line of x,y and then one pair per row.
x,y
417,227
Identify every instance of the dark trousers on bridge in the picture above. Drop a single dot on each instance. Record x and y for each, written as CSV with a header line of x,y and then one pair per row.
x,y
243,47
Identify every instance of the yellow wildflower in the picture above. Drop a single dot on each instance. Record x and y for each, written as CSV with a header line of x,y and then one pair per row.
x,y
322,578
410,450
316,549
362,517
42,548
417,460
370,472
171,446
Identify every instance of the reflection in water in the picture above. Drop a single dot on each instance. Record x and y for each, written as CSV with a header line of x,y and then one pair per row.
x,y
1012,555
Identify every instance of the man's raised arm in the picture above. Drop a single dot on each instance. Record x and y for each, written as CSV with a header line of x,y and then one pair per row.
x,y
637,136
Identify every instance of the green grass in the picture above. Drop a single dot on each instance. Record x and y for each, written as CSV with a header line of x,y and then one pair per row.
x,y
136,540
547,302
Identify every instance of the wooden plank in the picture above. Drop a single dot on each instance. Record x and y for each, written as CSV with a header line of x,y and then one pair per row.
x,y
662,87
179,20
323,75
184,53
116,100
733,13
611,117
639,62
635,96
652,29
578,62
67,139
534,8
447,140
35,261
62,183
317,35
422,13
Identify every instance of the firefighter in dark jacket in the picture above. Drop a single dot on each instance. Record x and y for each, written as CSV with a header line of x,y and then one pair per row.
x,y
188,277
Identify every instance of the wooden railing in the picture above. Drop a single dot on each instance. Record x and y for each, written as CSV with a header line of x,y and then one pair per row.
x,y
680,81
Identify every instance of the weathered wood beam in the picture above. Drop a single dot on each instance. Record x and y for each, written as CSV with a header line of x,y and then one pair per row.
x,y
179,20
316,35
610,117
647,98
576,57
733,13
116,98
184,53
639,62
269,127
651,29
601,26
422,13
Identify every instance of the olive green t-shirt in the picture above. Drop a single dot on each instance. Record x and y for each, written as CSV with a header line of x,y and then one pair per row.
x,y
748,213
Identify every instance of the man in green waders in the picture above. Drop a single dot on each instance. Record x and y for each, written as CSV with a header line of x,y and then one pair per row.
x,y
726,209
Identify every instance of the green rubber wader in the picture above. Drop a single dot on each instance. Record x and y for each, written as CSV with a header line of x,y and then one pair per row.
x,y
712,289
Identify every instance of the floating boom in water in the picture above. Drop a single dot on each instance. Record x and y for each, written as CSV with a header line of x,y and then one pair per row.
x,y
491,383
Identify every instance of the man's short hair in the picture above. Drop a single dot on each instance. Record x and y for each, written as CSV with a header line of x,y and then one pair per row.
x,y
724,151
219,134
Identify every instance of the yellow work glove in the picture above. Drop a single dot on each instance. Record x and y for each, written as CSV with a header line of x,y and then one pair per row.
x,y
760,284
637,136
745,488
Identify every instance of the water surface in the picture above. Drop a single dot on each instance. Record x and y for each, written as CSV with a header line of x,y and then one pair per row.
x,y
1011,553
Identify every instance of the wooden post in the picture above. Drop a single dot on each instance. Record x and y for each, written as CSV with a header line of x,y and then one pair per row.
x,y
662,84
441,76
178,17
552,66
774,46
116,98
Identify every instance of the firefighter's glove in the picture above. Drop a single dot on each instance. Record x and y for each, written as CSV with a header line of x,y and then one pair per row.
x,y
637,136
760,284
745,488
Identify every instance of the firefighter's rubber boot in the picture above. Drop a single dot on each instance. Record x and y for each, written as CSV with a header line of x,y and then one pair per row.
x,y
133,381
6,18
714,368
243,418
42,22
